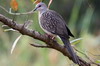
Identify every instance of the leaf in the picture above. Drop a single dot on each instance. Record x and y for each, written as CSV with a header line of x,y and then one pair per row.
x,y
14,5
50,3
37,1
76,41
32,0
6,30
4,26
98,61
14,44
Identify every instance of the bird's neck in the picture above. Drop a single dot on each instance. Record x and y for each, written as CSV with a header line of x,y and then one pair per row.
x,y
42,11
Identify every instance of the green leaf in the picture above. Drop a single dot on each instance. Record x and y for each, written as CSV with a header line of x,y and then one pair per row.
x,y
76,41
15,42
32,0
98,61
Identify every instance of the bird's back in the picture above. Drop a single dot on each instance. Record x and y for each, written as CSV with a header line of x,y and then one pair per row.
x,y
54,23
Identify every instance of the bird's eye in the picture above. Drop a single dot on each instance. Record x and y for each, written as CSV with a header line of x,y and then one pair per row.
x,y
39,5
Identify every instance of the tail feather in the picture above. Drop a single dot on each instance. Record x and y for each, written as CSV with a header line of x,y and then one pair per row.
x,y
70,50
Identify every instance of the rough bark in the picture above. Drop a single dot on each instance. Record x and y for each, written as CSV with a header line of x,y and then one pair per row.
x,y
36,35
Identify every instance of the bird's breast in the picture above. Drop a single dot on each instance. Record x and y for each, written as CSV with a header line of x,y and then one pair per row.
x,y
41,25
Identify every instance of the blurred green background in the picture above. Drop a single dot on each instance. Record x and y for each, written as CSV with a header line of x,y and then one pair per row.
x,y
83,19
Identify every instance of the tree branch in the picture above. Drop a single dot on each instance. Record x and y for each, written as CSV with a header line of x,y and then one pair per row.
x,y
36,35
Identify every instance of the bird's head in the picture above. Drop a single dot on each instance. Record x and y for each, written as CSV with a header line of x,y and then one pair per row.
x,y
40,7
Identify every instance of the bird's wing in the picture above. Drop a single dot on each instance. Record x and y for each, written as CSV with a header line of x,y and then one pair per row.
x,y
55,24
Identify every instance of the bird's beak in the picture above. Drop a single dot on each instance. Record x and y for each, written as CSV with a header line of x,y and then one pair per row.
x,y
34,9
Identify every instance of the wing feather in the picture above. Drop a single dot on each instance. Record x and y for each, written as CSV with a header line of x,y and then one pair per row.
x,y
54,23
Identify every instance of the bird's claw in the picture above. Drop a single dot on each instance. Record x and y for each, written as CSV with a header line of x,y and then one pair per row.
x,y
50,36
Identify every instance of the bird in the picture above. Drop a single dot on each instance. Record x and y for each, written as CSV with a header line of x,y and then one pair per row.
x,y
53,24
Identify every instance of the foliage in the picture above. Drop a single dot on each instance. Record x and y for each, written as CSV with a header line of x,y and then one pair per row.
x,y
14,5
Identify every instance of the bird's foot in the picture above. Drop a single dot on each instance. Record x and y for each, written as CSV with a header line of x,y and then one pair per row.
x,y
50,36
64,46
53,37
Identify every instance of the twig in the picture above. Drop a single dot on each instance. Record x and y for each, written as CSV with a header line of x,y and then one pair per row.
x,y
92,54
91,60
50,3
86,57
9,12
40,46
4,9
27,23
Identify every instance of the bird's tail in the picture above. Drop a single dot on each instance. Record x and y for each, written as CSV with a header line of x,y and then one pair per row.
x,y
70,50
